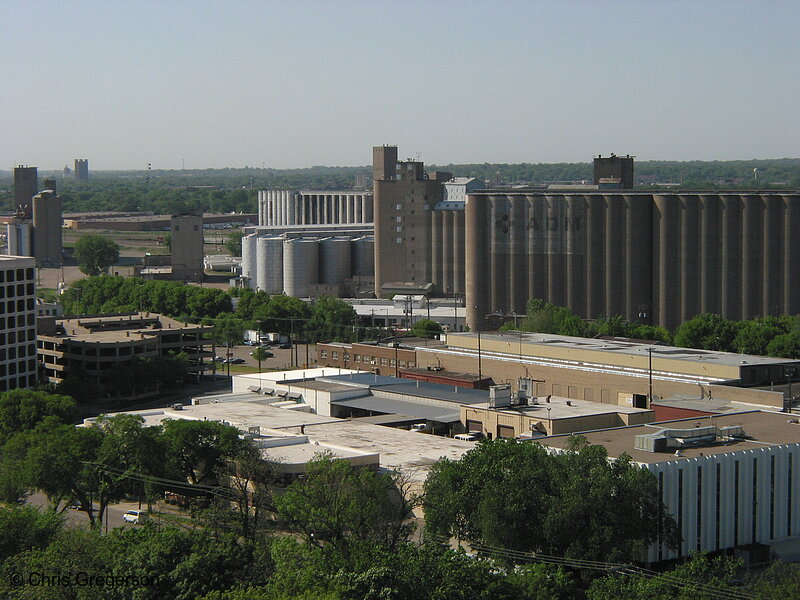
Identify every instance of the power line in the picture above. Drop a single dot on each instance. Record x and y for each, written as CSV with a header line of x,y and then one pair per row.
x,y
627,569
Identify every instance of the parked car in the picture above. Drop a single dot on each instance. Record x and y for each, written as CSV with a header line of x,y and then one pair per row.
x,y
236,361
285,346
266,354
135,516
219,359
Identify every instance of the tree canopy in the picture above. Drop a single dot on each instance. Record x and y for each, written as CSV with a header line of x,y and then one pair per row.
x,y
95,254
576,504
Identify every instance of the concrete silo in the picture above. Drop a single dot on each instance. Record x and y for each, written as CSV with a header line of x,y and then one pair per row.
x,y
300,266
334,260
363,255
269,270
249,259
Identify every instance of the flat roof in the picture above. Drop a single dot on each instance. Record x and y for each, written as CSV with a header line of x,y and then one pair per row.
x,y
420,411
634,348
437,391
563,408
364,379
412,452
322,386
761,428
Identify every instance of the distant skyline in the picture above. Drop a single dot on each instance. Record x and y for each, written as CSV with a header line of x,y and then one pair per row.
x,y
296,84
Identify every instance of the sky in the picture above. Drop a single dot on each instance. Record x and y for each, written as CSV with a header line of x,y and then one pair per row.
x,y
293,84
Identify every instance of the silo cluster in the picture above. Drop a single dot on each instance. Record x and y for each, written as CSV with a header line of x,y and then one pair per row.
x,y
287,264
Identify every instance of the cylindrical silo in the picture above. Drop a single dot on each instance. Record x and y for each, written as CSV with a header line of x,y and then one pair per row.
x,y
362,253
334,260
269,272
249,259
300,266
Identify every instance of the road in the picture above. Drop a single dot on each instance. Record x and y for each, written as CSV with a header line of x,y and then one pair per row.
x,y
77,518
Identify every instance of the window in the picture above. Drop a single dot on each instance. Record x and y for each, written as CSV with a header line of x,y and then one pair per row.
x,y
399,219
335,354
399,228
399,240
323,354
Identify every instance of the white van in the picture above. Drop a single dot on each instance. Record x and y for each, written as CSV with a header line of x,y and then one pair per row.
x,y
135,516
467,437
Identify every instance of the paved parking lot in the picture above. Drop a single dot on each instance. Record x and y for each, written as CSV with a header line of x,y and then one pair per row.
x,y
283,359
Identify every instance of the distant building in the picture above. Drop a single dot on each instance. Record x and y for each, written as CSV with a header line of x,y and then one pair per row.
x,y
187,247
614,171
301,207
47,229
17,322
94,346
81,169
36,228
418,238
26,184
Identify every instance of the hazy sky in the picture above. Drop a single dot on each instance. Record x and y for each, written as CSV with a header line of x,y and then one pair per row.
x,y
295,84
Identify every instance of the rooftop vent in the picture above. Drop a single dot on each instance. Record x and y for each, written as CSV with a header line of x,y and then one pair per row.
x,y
664,440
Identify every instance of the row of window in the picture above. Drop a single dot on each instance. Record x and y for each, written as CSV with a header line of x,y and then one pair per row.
x,y
18,305
12,275
20,289
17,382
15,352
12,322
367,360
12,368
15,337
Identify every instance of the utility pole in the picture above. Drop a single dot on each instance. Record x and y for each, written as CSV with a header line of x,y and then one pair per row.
x,y
650,368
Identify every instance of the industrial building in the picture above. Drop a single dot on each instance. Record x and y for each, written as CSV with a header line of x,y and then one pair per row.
x,y
187,246
35,229
618,372
96,346
306,265
655,258
81,169
285,208
17,322
729,481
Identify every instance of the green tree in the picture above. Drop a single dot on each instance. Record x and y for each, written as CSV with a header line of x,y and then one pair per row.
x,y
279,312
198,448
21,410
778,582
786,345
707,331
24,528
95,254
577,504
60,461
426,328
700,578
260,354
753,337
233,243
338,504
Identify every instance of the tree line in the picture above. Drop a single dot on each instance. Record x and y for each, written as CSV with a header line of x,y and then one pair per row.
x,y
325,318
763,336
337,533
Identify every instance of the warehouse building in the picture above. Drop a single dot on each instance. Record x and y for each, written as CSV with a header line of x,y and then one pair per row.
x,y
730,481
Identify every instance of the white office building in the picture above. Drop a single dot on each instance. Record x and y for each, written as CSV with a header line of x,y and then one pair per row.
x,y
729,481
17,322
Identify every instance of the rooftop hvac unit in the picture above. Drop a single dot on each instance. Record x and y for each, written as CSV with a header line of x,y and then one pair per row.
x,y
499,396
